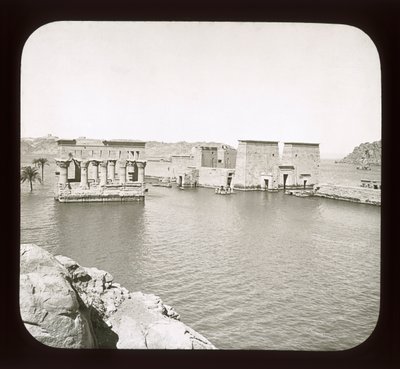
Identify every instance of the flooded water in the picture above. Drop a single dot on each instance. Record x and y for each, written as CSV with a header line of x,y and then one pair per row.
x,y
252,270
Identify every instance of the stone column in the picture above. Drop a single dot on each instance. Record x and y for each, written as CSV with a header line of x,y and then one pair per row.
x,y
111,169
63,166
141,165
129,168
103,173
122,171
84,174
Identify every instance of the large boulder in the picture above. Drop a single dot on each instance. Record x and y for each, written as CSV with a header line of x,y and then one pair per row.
x,y
66,305
49,306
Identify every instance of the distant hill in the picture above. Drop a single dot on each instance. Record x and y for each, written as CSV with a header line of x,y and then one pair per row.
x,y
365,154
48,145
165,149
39,146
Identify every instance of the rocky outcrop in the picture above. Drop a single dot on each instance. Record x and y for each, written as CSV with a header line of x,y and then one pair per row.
x,y
365,154
66,305
49,306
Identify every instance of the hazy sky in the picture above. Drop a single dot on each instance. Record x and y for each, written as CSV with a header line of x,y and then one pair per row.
x,y
209,81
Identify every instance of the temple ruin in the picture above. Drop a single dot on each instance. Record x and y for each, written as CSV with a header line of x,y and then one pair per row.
x,y
260,167
255,165
114,170
206,166
99,170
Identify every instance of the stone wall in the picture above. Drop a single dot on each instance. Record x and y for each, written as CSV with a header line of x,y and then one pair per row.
x,y
209,157
222,156
65,305
214,177
179,163
305,159
254,159
226,157
159,168
188,177
96,193
347,193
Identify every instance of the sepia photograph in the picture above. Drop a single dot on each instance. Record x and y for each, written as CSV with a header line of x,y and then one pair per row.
x,y
200,185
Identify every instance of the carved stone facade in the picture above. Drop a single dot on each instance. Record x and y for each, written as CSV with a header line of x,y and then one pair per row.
x,y
259,166
87,170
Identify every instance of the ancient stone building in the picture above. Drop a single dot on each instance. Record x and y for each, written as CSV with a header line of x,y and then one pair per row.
x,y
215,177
195,169
205,156
256,165
214,156
259,166
96,170
158,168
226,157
299,165
183,171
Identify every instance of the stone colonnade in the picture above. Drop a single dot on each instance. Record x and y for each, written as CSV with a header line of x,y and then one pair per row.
x,y
106,171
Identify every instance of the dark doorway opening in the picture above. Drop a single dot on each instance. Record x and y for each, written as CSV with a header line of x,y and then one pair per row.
x,y
305,182
135,173
229,181
284,181
180,181
266,181
74,172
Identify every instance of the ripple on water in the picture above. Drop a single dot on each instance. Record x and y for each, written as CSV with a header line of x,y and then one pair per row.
x,y
251,271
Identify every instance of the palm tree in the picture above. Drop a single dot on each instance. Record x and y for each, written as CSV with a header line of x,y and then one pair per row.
x,y
40,163
30,174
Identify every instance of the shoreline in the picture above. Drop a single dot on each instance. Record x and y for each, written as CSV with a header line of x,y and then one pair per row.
x,y
355,194
361,195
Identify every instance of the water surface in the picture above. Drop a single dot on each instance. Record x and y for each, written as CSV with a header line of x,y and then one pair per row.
x,y
253,270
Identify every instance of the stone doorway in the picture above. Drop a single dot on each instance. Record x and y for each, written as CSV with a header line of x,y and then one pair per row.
x,y
285,176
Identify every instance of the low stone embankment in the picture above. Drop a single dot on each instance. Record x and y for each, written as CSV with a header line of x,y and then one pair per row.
x,y
347,193
65,305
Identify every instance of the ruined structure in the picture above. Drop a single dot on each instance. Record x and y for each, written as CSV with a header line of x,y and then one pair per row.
x,y
259,166
96,170
214,157
255,165
207,166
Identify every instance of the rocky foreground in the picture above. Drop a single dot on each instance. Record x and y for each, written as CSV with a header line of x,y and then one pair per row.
x,y
69,306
